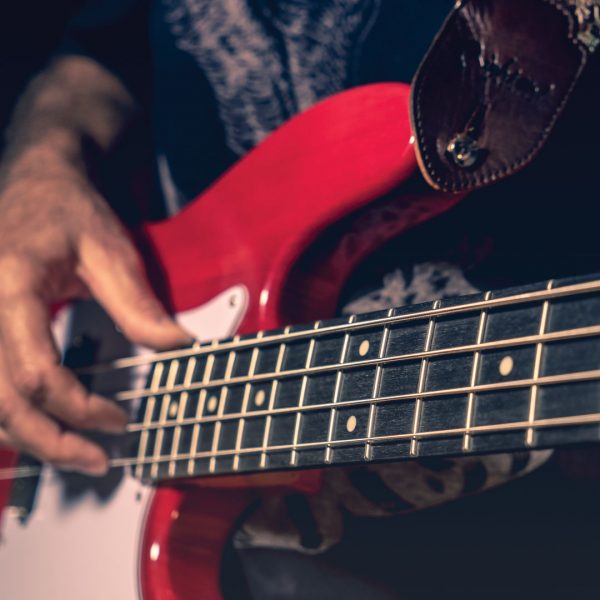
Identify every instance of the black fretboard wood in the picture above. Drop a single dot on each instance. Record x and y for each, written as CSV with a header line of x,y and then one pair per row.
x,y
483,373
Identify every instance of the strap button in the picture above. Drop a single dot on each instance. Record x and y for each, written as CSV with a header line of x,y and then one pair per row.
x,y
463,150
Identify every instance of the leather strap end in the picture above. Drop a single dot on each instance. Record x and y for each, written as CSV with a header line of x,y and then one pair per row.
x,y
492,85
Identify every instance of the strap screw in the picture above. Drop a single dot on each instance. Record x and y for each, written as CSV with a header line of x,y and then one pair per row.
x,y
463,150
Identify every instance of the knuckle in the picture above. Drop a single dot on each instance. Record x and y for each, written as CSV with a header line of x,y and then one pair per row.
x,y
132,331
10,262
30,383
140,328
78,411
51,452
17,273
5,414
113,239
6,442
128,256
80,416
149,308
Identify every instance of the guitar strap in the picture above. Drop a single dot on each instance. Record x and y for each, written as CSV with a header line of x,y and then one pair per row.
x,y
494,82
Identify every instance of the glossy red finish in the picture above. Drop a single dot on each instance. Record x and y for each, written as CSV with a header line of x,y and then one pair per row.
x,y
348,158
252,225
255,226
7,461
191,524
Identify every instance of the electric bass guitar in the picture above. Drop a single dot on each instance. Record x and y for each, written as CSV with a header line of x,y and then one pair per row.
x,y
218,424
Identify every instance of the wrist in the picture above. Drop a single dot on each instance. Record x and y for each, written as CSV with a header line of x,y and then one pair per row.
x,y
58,154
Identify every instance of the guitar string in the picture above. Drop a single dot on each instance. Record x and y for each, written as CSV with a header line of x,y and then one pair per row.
x,y
515,384
236,343
502,385
569,421
567,334
576,377
509,300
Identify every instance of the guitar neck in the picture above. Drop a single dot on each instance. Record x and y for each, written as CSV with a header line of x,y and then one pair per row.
x,y
507,370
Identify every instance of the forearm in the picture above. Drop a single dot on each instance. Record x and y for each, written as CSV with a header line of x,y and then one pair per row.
x,y
70,115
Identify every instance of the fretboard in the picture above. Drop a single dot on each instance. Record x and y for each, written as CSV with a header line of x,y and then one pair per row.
x,y
498,371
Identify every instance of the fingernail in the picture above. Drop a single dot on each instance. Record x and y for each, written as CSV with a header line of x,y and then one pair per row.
x,y
169,322
117,426
96,470
110,418
117,423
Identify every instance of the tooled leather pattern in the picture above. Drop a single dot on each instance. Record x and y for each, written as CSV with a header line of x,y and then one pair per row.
x,y
586,21
498,74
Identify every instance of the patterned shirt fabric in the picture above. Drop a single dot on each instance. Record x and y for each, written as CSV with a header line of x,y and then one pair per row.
x,y
216,76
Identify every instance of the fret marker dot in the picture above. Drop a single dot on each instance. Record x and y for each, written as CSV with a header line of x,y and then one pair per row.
x,y
506,366
259,399
363,348
212,404
351,424
173,409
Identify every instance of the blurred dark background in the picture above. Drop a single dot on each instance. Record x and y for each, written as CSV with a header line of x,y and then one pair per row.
x,y
29,32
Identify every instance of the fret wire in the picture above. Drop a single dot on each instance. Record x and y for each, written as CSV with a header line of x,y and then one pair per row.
x,y
336,393
164,409
421,384
241,425
231,361
488,387
154,383
191,468
474,371
160,432
208,367
568,290
573,420
183,400
385,336
245,400
217,431
536,368
177,434
222,400
303,385
273,395
492,345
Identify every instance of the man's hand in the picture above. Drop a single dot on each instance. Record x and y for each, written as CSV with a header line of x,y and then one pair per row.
x,y
59,239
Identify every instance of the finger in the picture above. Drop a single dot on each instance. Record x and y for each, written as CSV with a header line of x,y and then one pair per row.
x,y
25,428
114,274
5,440
68,400
35,433
30,354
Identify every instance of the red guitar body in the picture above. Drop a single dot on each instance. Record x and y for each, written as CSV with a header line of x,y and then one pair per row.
x,y
289,222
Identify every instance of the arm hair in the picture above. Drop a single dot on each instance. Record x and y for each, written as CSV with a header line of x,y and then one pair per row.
x,y
73,105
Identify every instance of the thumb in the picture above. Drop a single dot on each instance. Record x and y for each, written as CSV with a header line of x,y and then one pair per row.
x,y
115,276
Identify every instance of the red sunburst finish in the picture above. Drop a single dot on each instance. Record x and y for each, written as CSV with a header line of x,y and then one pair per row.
x,y
258,226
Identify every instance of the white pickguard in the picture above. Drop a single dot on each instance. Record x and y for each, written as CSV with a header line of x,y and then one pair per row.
x,y
87,549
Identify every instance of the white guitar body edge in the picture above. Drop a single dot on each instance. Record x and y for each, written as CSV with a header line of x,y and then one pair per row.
x,y
89,548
